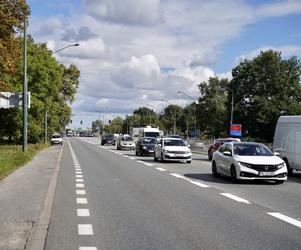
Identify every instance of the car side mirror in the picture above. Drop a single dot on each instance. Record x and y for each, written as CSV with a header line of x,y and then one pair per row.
x,y
276,154
227,153
188,145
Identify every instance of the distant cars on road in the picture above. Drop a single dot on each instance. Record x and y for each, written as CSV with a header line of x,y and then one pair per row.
x,y
146,146
248,161
56,139
217,143
107,139
172,149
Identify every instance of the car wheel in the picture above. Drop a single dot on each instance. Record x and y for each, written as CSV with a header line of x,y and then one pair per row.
x,y
289,169
279,181
214,170
162,158
233,174
188,162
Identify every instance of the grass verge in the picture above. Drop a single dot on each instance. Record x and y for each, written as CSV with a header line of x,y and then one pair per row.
x,y
12,157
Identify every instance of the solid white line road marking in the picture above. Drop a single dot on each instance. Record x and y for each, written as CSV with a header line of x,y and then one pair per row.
x,y
236,198
87,248
80,185
79,176
199,184
161,169
85,229
132,158
80,191
83,212
126,156
179,176
79,180
81,201
285,218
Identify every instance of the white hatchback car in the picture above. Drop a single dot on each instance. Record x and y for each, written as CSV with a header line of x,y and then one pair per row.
x,y
172,149
248,161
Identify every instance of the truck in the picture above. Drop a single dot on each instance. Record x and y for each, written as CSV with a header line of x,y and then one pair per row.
x,y
287,141
134,133
149,131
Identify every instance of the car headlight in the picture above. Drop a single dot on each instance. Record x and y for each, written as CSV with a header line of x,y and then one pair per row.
x,y
280,165
187,152
165,151
144,147
247,165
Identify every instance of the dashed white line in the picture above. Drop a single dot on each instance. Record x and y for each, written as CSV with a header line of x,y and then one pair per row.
x,y
199,184
285,218
132,158
87,248
81,201
80,185
85,229
179,176
161,169
126,156
83,212
236,198
80,191
78,172
145,163
79,176
79,180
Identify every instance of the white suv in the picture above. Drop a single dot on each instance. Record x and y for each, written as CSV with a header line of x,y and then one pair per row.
x,y
56,139
172,149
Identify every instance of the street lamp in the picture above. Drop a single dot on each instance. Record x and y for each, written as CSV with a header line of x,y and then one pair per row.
x,y
46,114
173,116
194,107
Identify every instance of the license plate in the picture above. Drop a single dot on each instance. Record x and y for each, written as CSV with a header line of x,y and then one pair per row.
x,y
266,173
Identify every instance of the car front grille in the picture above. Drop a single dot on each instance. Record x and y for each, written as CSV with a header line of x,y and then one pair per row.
x,y
264,168
177,152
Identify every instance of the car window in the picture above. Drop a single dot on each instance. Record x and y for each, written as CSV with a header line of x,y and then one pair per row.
x,y
228,148
251,150
171,142
149,140
222,148
55,136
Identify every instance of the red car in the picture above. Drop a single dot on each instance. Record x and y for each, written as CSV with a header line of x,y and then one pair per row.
x,y
217,143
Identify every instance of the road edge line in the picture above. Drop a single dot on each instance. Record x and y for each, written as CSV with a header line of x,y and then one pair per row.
x,y
37,238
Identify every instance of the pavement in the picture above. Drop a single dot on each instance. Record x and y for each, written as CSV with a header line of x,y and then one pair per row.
x,y
26,198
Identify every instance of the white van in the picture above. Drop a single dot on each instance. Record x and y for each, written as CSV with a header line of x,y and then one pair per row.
x,y
287,141
148,131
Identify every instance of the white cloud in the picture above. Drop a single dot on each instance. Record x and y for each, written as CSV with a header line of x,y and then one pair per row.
x,y
279,8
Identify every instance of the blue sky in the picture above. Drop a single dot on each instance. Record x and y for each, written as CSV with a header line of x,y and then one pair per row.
x,y
134,53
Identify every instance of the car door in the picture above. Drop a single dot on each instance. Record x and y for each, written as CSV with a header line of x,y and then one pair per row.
x,y
228,159
218,158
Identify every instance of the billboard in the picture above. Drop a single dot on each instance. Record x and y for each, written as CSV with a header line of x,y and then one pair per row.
x,y
235,129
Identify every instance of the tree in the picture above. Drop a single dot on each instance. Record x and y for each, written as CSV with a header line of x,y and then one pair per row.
x,y
12,15
212,110
146,116
263,89
171,116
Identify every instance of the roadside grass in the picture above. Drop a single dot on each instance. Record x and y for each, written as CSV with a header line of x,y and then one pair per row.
x,y
12,157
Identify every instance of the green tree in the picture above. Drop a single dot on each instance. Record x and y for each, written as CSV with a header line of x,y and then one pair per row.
x,y
263,89
172,115
212,109
146,116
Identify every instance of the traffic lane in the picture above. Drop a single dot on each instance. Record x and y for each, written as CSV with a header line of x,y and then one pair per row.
x,y
137,207
285,198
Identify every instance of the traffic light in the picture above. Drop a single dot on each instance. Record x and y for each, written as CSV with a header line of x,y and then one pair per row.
x,y
110,121
81,122
70,121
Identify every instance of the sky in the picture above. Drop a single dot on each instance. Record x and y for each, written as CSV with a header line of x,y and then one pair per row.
x,y
134,53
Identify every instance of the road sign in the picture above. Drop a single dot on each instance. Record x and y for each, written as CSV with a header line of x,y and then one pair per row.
x,y
12,100
235,130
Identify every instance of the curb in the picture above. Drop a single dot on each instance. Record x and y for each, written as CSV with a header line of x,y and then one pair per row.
x,y
37,238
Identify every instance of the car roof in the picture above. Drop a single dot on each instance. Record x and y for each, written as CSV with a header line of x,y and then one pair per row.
x,y
246,143
172,138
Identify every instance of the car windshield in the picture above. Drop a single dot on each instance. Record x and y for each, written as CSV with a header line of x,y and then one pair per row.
x,y
149,141
174,143
251,150
126,138
152,134
56,136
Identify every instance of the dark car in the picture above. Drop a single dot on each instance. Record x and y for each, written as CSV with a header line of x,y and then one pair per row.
x,y
107,139
217,143
145,146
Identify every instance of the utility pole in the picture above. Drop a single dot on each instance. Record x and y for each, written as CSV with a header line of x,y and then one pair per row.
x,y
25,89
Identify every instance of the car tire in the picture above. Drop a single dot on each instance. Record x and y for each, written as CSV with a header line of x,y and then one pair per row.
x,y
279,181
289,169
214,170
188,162
233,174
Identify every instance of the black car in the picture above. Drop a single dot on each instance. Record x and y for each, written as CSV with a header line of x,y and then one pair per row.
x,y
107,139
145,146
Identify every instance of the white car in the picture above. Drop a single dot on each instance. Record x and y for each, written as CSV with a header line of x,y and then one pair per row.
x,y
126,142
172,149
56,139
248,161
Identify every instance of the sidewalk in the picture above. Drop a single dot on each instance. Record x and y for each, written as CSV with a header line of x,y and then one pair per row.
x,y
22,198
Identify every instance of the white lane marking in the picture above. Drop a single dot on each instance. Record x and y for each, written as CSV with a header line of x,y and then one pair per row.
x,y
236,198
76,164
80,191
79,180
126,156
80,185
78,172
132,158
79,176
83,212
87,248
285,218
199,184
179,176
81,201
161,169
85,229
77,168
145,163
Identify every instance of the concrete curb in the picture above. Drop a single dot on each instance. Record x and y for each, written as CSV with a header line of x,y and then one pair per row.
x,y
37,238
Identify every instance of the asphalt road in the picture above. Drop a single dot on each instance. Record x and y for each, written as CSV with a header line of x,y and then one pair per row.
x,y
109,199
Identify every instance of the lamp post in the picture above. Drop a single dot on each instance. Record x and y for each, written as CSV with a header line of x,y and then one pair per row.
x,y
173,116
25,89
46,113
194,107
